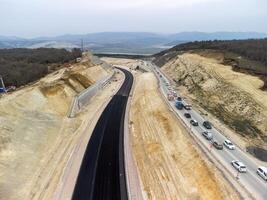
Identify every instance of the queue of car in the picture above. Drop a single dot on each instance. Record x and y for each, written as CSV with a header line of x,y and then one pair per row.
x,y
238,165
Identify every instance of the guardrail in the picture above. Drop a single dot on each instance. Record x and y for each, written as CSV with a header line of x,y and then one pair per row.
x,y
83,98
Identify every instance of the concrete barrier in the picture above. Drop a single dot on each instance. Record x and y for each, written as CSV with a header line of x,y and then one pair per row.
x,y
83,98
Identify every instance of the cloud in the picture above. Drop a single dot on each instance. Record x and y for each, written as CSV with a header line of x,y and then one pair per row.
x,y
133,4
55,17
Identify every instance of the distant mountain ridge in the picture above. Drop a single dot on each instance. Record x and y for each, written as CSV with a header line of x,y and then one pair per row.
x,y
123,42
233,50
197,36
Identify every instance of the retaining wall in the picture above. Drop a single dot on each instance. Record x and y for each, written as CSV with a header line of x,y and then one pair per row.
x,y
83,98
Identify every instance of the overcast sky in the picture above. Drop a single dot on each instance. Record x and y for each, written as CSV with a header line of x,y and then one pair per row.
x,y
31,18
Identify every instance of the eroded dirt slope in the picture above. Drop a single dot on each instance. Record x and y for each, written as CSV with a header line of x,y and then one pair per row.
x,y
234,98
169,165
34,126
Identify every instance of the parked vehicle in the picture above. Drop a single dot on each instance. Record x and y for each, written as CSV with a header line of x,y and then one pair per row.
x,y
2,90
179,98
239,166
187,107
174,94
217,145
187,115
170,97
262,171
229,144
179,105
193,122
207,124
207,135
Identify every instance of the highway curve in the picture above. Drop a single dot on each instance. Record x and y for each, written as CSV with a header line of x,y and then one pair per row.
x,y
102,173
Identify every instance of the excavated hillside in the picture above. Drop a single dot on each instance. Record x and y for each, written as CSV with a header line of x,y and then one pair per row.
x,y
235,98
35,132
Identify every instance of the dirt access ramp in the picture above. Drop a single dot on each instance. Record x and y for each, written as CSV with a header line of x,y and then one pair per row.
x,y
36,137
129,63
233,101
169,164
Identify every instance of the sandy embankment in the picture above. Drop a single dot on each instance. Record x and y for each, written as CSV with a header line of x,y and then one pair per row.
x,y
169,165
36,137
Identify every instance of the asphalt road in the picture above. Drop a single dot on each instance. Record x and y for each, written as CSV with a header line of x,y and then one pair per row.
x,y
102,173
254,184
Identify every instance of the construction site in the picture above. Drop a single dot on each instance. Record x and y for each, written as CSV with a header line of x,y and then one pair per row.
x,y
37,136
46,129
133,100
223,95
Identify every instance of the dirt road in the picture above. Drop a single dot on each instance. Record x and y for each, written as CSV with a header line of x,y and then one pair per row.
x,y
169,164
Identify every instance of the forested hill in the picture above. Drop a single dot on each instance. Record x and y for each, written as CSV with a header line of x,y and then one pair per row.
x,y
21,66
253,49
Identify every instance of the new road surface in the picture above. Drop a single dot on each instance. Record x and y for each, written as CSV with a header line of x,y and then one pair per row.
x,y
250,180
102,173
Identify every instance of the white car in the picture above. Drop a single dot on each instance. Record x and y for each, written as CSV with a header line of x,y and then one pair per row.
x,y
239,166
229,144
262,171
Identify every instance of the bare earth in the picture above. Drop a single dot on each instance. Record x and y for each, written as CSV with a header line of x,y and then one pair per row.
x,y
233,97
169,164
130,63
36,137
